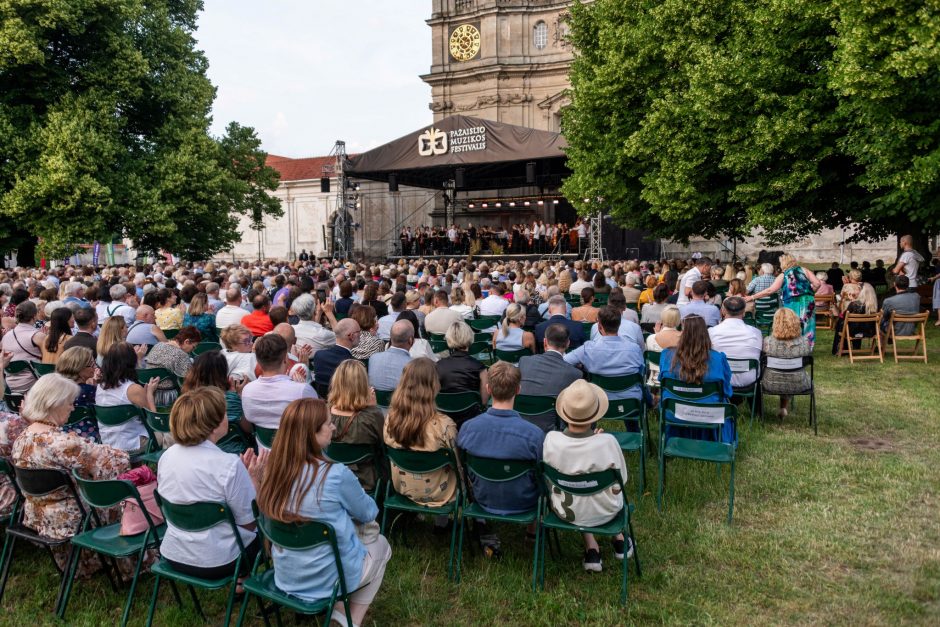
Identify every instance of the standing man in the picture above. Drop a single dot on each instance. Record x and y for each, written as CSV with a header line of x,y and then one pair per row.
x,y
701,269
908,263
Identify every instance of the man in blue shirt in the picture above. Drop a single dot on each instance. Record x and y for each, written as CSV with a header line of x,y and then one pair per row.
x,y
610,355
699,307
629,328
557,308
501,433
385,367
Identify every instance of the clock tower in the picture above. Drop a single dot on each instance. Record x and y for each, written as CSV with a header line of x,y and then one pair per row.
x,y
503,60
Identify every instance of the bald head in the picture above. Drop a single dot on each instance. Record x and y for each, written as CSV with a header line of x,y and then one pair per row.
x,y
145,314
286,331
347,332
402,334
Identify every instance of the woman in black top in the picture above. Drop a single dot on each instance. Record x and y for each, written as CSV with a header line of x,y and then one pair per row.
x,y
370,297
460,372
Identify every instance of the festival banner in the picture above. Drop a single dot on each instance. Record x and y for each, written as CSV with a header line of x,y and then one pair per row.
x,y
95,253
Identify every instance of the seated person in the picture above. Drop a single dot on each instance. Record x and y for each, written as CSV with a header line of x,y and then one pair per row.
x,y
238,352
119,386
904,301
629,328
736,339
327,359
666,335
265,398
78,364
44,445
300,484
651,312
786,340
173,355
144,330
824,288
699,306
501,433
413,423
577,450
693,361
610,355
851,303
258,322
587,312
385,368
357,418
195,470
460,372
558,314
510,336
548,374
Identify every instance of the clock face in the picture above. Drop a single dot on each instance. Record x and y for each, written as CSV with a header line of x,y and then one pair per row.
x,y
464,42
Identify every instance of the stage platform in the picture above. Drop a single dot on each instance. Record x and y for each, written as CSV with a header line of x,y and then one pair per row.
x,y
491,257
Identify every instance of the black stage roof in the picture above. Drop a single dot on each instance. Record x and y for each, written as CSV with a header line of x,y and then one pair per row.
x,y
491,155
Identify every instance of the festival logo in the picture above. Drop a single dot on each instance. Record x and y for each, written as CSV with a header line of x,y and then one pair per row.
x,y
432,142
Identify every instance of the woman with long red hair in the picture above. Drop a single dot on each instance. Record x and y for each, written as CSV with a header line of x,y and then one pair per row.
x,y
300,484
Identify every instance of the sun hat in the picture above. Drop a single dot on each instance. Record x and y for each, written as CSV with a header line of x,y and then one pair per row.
x,y
581,403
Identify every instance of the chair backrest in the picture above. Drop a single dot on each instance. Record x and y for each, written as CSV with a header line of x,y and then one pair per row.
x,y
6,468
79,413
703,415
421,462
583,484
197,516
159,422
787,364
347,453
456,402
691,391
40,369
265,436
110,492
862,317
170,333
626,409
17,367
529,405
383,398
498,470
742,366
512,357
145,374
205,347
117,415
898,317
37,482
438,346
652,357
481,347
299,536
435,337
586,328
482,336
12,400
620,383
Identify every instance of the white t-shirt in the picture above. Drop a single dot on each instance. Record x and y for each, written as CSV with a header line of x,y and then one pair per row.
x,y
241,364
911,260
493,305
125,436
688,279
205,473
737,340
229,315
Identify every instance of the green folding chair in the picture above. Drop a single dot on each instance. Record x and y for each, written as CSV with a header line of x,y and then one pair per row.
x,y
458,404
107,540
600,300
170,333
383,398
119,415
301,536
752,392
536,408
265,436
790,365
511,357
6,469
500,471
196,517
482,351
40,369
422,462
764,310
629,412
145,374
79,413
484,323
586,484
438,345
205,347
157,422
350,454
586,327
708,416
12,400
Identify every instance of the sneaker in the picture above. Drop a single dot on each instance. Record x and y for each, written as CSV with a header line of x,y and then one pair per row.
x,y
592,561
619,546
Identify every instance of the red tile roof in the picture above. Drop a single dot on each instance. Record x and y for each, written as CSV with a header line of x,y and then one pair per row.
x,y
302,169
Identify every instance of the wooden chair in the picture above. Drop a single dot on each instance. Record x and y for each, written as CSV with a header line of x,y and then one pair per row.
x,y
875,344
919,351
825,306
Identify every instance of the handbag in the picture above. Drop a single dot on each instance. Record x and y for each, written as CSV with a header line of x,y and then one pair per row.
x,y
133,520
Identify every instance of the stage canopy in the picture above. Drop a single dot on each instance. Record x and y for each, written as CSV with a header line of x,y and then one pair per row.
x,y
477,154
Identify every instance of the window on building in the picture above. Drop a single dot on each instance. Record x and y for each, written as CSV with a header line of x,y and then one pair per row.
x,y
540,35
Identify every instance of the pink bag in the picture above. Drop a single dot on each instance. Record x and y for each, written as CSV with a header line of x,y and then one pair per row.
x,y
133,520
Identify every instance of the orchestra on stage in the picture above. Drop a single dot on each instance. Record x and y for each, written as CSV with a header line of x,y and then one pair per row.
x,y
537,238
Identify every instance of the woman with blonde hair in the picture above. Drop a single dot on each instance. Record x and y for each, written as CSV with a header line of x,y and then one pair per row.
x,y
666,336
237,341
301,484
78,364
198,315
646,296
114,331
799,287
414,424
786,341
510,336
356,415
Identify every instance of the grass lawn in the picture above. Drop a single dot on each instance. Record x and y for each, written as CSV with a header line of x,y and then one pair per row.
x,y
840,528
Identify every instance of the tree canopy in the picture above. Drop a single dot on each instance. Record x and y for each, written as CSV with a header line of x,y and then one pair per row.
x,y
716,118
104,130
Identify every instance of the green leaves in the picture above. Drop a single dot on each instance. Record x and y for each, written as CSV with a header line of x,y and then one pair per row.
x,y
104,116
712,119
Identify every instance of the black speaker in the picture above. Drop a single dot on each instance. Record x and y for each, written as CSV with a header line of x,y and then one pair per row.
x,y
459,177
393,182
530,173
325,185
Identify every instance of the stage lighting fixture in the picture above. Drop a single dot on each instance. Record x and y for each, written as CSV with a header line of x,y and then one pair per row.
x,y
485,205
512,204
499,204
470,205
555,202
526,203
541,202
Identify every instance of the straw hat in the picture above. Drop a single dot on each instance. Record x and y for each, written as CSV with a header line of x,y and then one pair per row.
x,y
581,403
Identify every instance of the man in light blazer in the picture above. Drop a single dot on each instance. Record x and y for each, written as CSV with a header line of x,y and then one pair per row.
x,y
548,374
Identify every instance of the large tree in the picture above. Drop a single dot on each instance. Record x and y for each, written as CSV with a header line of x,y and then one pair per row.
x,y
104,130
722,117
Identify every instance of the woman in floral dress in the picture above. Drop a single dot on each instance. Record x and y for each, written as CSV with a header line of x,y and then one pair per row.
x,y
44,445
797,287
